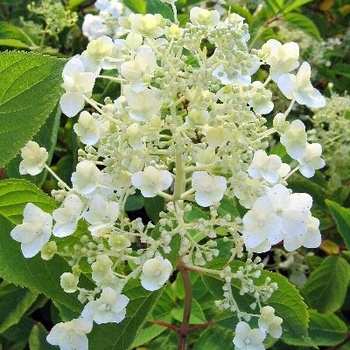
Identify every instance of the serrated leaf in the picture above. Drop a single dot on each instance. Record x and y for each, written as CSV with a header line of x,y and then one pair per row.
x,y
36,274
121,336
325,289
29,91
302,22
46,137
342,219
324,330
14,303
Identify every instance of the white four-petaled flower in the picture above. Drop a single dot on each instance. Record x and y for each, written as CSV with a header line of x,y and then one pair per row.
x,y
109,308
34,159
155,272
151,181
34,232
70,335
247,338
209,189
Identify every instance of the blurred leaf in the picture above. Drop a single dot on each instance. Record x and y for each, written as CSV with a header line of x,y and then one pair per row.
x,y
29,91
14,303
136,6
302,22
274,6
153,207
37,338
330,247
16,337
325,289
196,317
13,36
294,4
342,219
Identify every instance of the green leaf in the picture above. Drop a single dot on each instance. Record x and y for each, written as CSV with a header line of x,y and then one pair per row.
x,y
13,36
294,4
158,6
196,317
16,337
14,303
121,336
153,207
274,6
37,338
302,22
325,289
342,219
46,137
136,6
324,330
215,338
36,274
29,91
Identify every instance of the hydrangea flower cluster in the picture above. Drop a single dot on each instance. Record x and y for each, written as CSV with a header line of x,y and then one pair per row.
x,y
188,127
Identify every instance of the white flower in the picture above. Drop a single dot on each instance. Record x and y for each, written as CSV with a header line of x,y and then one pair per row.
x,y
93,26
311,160
34,232
155,272
34,159
208,189
247,338
262,226
270,323
67,216
70,335
144,104
69,282
294,139
77,83
269,167
208,18
260,98
150,26
102,268
140,71
109,308
101,213
151,181
86,177
216,136
134,133
197,117
299,87
87,128
281,58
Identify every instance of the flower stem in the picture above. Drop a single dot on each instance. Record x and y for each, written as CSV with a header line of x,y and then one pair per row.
x,y
184,329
